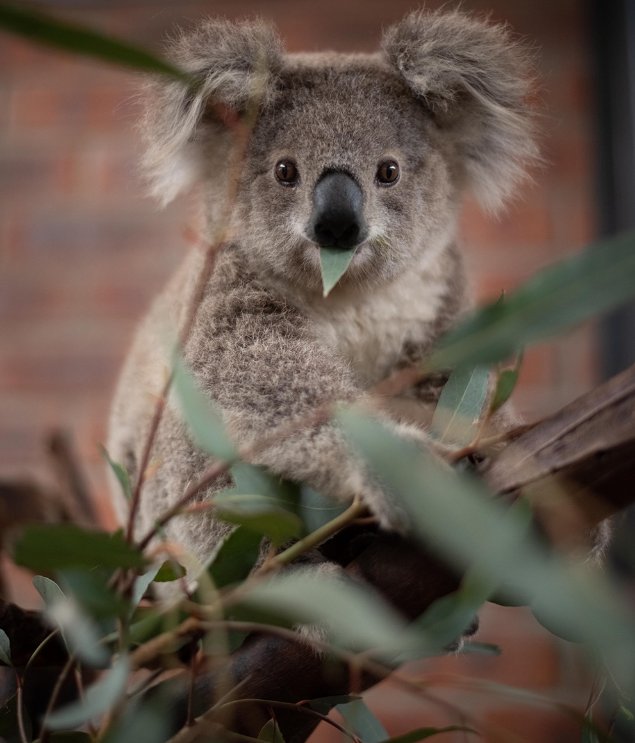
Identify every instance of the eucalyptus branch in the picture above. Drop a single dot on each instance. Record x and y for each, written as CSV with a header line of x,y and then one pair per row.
x,y
315,538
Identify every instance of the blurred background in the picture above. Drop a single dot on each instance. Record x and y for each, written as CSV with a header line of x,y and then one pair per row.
x,y
82,252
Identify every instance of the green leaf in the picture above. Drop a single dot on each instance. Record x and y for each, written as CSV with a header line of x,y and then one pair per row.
x,y
201,414
48,589
353,615
5,648
457,517
77,39
460,407
236,557
333,264
447,619
424,733
505,385
121,473
169,571
141,584
271,733
581,287
79,632
98,698
315,510
324,705
91,589
44,548
145,720
362,721
258,513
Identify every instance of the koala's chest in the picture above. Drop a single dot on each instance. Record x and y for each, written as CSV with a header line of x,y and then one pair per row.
x,y
371,334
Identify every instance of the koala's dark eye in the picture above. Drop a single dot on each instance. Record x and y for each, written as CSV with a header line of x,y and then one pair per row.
x,y
388,173
287,172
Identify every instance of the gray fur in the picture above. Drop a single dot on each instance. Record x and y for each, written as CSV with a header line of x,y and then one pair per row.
x,y
445,99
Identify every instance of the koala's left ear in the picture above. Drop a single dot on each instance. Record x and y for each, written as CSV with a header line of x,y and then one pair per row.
x,y
232,66
475,80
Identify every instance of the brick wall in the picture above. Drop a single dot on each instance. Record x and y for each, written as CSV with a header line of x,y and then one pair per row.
x,y
82,252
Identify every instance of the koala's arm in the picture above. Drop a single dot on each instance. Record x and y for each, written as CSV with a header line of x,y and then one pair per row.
x,y
255,356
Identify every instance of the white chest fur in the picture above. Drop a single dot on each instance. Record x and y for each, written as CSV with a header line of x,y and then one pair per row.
x,y
370,330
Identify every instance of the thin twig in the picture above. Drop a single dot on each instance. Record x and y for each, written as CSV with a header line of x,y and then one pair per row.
x,y
44,733
19,699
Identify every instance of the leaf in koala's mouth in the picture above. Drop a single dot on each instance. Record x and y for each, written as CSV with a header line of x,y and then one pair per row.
x,y
334,262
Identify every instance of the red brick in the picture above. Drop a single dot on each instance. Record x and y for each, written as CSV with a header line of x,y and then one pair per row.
x,y
529,725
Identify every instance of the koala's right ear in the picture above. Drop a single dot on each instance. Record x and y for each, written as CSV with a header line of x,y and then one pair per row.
x,y
232,64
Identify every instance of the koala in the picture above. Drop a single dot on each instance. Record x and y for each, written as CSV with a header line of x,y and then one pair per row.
x,y
367,151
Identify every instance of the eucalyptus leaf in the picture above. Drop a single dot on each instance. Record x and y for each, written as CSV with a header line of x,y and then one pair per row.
x,y
169,571
81,635
505,385
362,721
91,589
121,473
351,613
145,720
236,557
457,517
259,514
461,404
315,510
140,586
333,264
98,698
581,287
48,547
324,705
71,37
5,648
201,414
271,733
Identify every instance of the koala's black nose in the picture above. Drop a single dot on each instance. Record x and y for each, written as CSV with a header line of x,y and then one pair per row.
x,y
337,220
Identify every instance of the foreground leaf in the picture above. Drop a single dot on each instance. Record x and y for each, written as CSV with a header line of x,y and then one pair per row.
x,y
581,287
324,705
271,733
201,414
333,264
236,557
70,37
5,648
98,698
352,614
362,721
461,403
495,538
121,473
258,514
49,547
78,631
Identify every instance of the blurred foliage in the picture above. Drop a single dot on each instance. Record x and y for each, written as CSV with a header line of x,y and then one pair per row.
x,y
94,594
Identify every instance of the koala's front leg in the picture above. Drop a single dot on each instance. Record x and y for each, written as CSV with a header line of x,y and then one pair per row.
x,y
266,371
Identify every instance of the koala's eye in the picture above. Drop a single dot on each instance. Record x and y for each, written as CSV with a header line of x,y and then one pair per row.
x,y
287,172
388,173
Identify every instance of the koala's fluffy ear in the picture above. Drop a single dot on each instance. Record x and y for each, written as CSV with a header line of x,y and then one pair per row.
x,y
232,64
475,80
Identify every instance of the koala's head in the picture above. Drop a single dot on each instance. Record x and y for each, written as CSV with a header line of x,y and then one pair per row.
x,y
366,151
